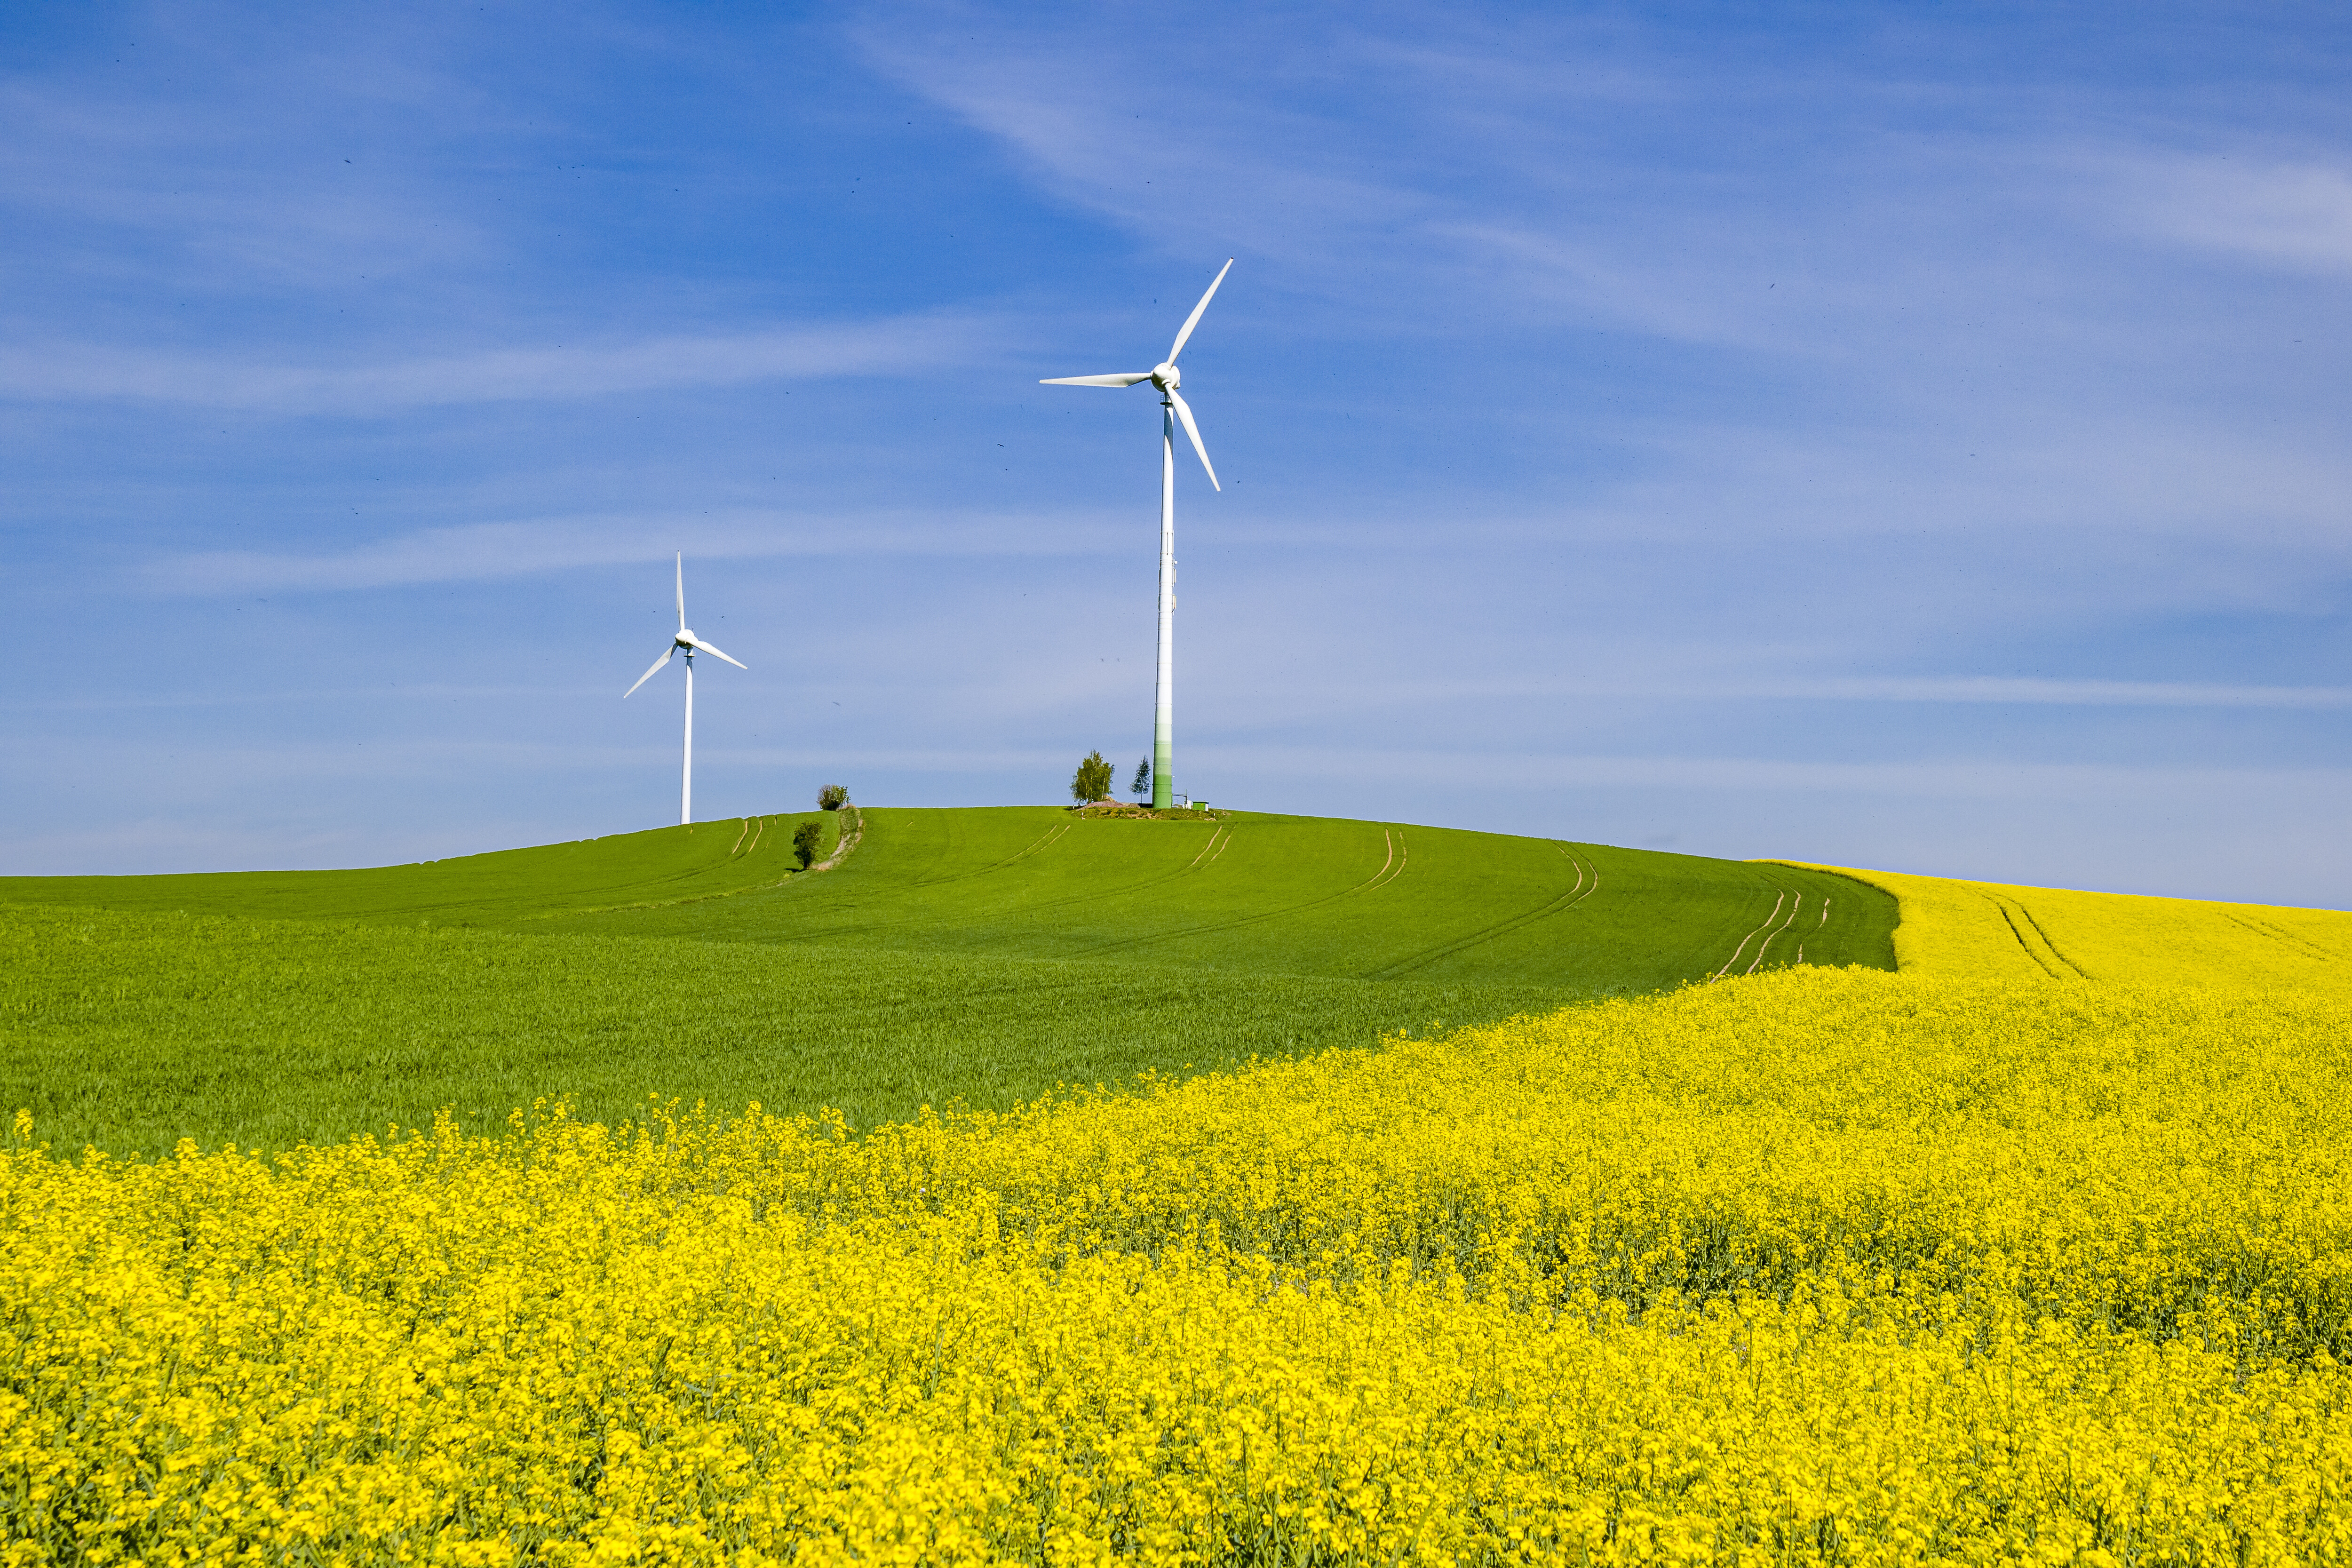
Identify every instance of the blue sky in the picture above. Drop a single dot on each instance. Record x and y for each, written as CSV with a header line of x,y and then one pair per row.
x,y
1909,436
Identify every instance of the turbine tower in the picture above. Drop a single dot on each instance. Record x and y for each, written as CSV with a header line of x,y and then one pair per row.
x,y
1165,376
690,644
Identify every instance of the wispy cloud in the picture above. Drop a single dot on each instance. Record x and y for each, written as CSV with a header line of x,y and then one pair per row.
x,y
1272,175
2292,214
1975,779
893,347
490,551
1994,690
2034,690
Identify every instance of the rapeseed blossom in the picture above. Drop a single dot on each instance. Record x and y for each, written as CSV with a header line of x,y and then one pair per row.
x,y
1985,931
1819,1267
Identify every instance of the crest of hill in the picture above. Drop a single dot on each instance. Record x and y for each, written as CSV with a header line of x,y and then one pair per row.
x,y
1232,891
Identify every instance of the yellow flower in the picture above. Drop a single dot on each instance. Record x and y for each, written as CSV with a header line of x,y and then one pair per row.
x,y
1822,1266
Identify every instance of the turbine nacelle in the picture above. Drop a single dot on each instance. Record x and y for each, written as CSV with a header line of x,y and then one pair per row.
x,y
1164,375
684,642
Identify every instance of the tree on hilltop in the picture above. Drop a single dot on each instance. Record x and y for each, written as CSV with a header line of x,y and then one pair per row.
x,y
1092,779
1143,784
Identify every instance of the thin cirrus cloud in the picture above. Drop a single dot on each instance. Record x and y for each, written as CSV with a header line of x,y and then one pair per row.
x,y
488,551
1998,690
1509,204
1282,180
1697,686
891,347
2292,214
2031,781
2069,693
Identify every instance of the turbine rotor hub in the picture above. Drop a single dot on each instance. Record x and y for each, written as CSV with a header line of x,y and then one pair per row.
x,y
1166,376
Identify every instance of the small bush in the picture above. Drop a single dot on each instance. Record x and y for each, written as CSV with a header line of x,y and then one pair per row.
x,y
832,797
1092,779
805,839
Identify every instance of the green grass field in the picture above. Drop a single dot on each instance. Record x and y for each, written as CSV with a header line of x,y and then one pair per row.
x,y
520,887
983,955
1295,895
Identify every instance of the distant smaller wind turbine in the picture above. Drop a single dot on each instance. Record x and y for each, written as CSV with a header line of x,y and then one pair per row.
x,y
691,644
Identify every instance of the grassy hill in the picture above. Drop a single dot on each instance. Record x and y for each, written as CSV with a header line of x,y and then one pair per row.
x,y
1263,893
1242,893
508,888
982,954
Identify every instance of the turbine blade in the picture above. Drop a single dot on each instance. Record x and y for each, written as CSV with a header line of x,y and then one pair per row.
x,y
1120,380
648,674
681,591
1184,412
705,648
1195,318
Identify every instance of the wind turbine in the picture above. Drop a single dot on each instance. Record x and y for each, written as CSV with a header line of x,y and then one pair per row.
x,y
1165,376
692,645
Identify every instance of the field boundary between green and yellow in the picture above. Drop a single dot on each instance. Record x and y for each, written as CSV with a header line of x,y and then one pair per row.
x,y
1948,926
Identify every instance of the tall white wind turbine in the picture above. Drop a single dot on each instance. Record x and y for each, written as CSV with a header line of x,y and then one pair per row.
x,y
690,644
1164,376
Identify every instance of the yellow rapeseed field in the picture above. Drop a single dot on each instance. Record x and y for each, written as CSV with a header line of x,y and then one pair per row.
x,y
1819,1267
1988,930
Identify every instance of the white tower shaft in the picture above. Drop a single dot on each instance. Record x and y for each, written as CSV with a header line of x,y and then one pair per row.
x,y
1163,708
686,783
1173,408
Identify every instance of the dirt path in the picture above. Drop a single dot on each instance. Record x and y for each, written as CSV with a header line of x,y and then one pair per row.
x,y
854,830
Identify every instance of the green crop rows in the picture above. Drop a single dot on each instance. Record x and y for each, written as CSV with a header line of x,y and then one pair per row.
x,y
983,955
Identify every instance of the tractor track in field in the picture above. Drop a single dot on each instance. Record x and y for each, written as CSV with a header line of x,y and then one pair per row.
x,y
1780,901
1796,911
1576,892
1205,857
2011,913
2301,946
1744,941
2056,952
755,829
1817,928
1038,846
1391,868
1048,840
1055,838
